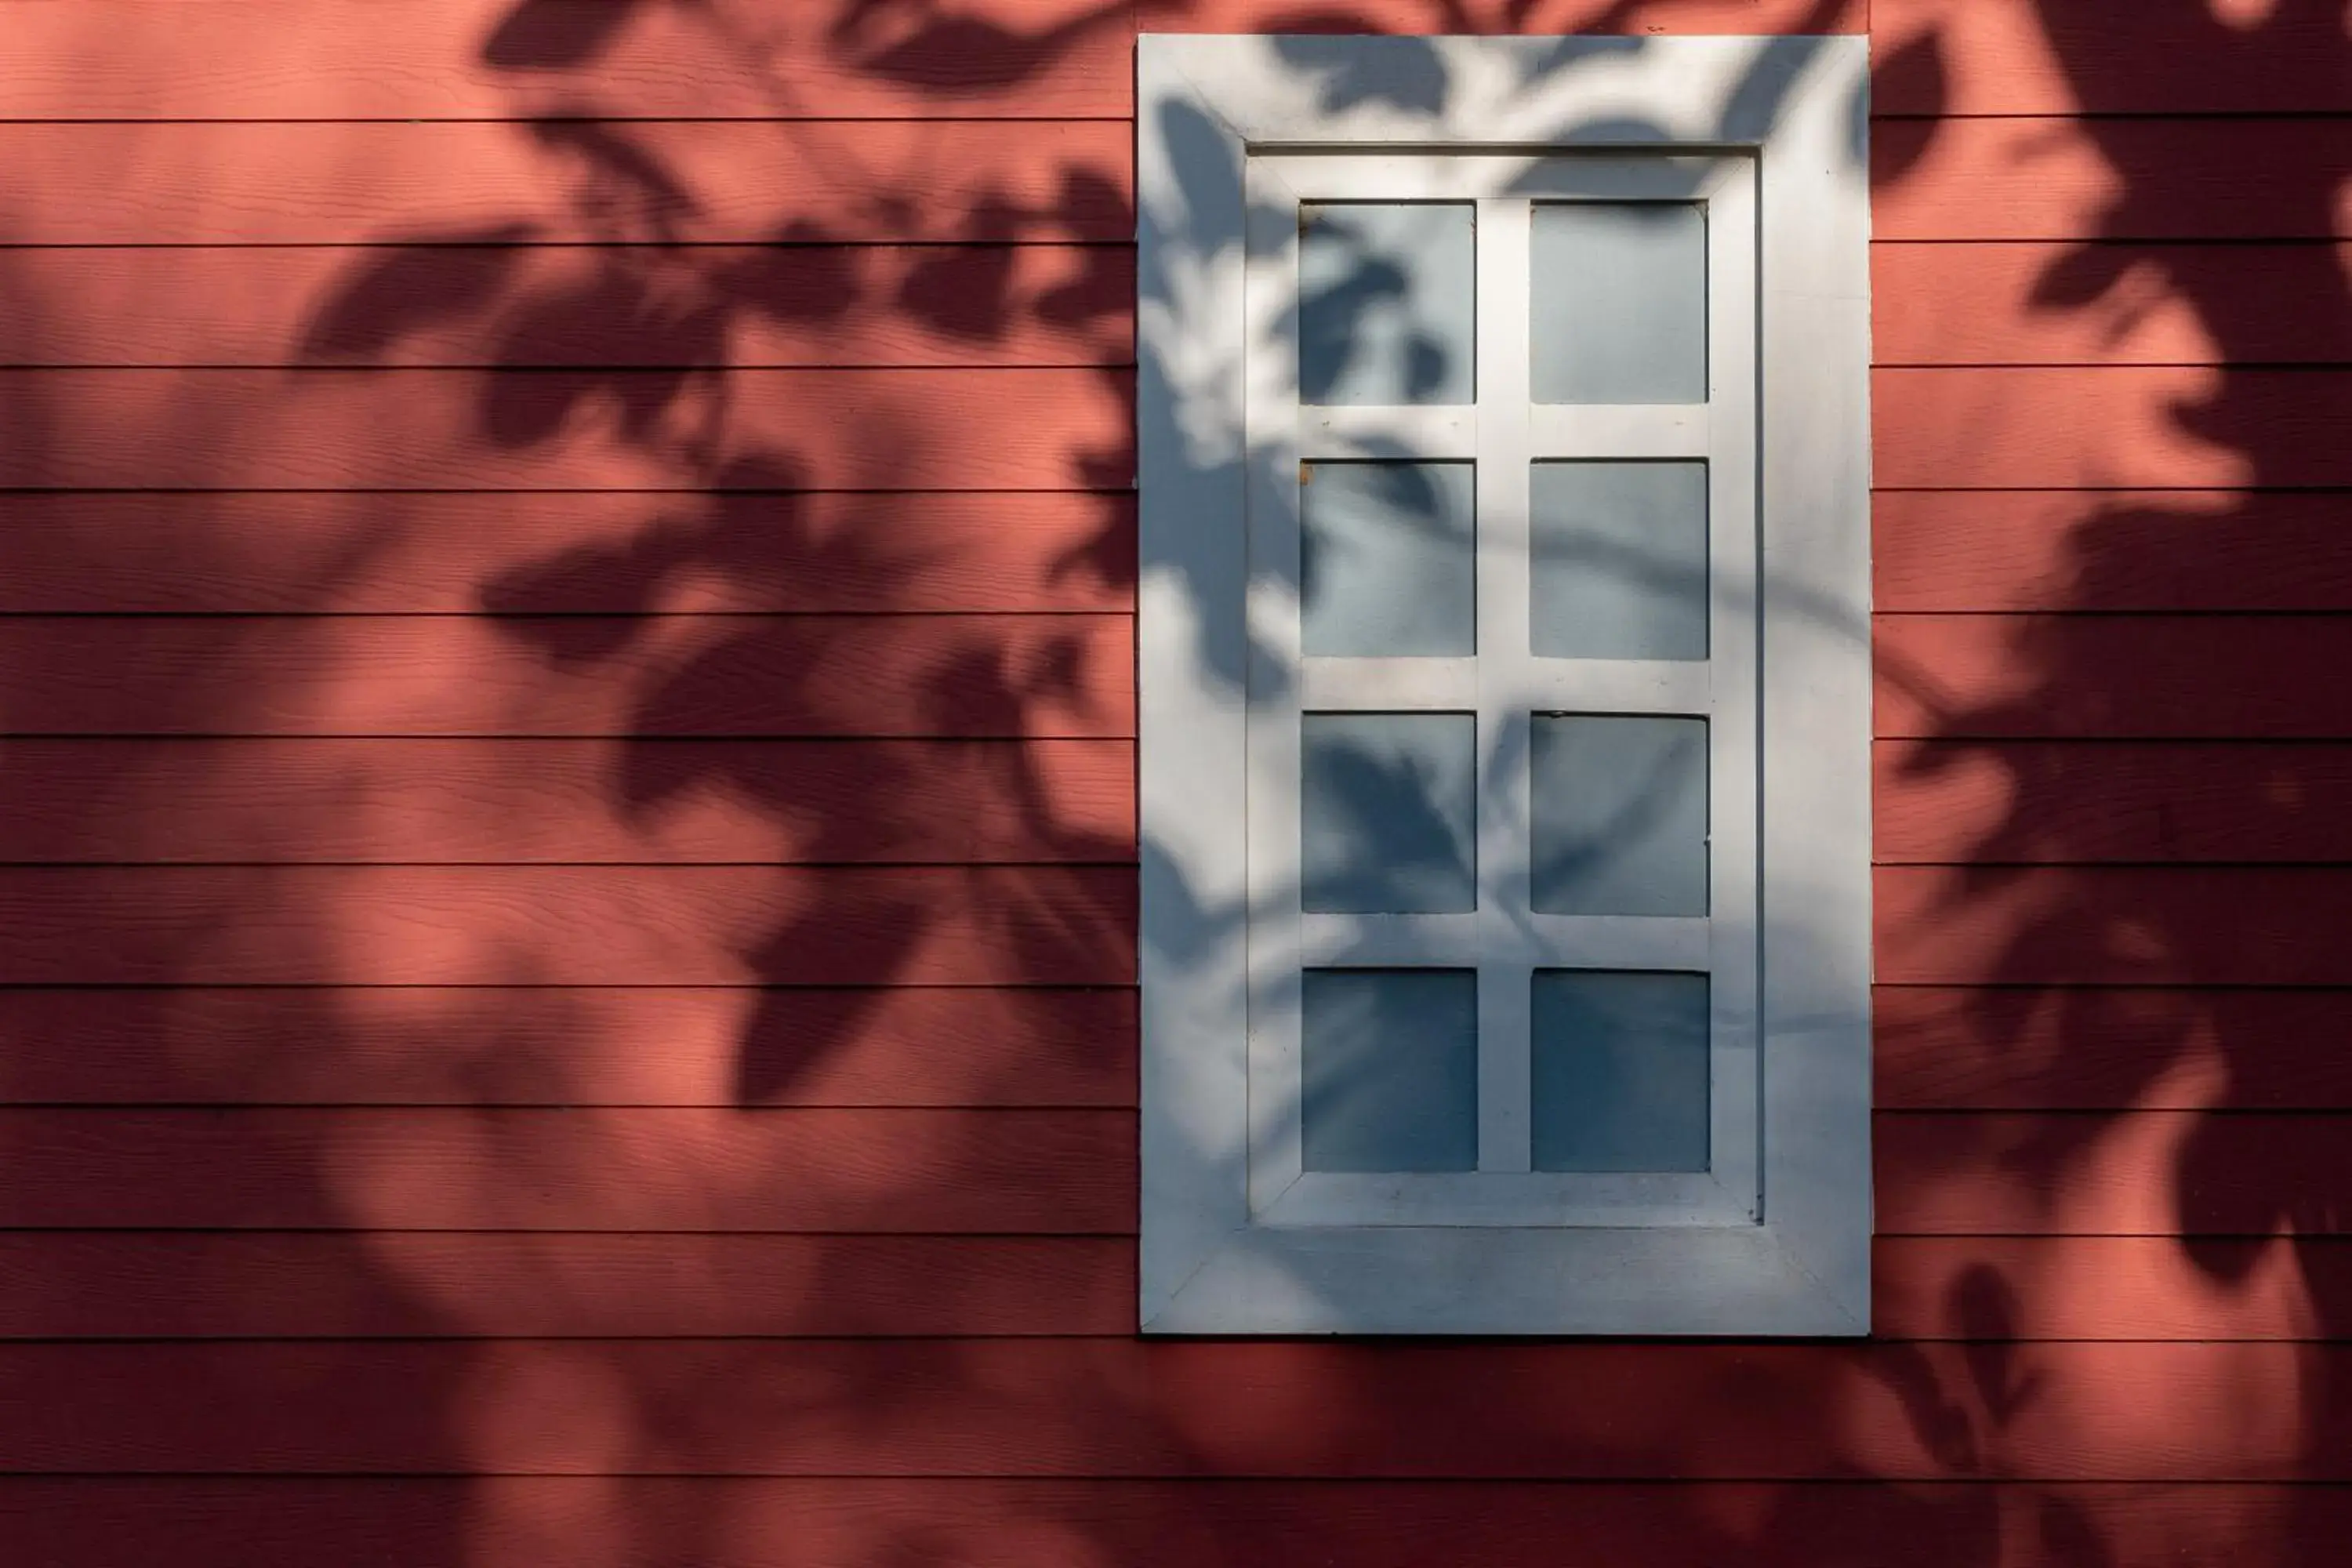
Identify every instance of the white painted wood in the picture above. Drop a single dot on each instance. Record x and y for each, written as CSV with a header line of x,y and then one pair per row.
x,y
1625,430
1356,1280
1274,753
1524,940
1468,175
1508,1200
1431,431
1529,685
1191,650
1735,1105
1505,1003
1220,440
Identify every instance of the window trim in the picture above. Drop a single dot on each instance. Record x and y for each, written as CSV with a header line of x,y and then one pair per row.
x,y
1795,105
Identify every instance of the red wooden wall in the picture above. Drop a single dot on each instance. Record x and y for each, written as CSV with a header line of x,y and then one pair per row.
x,y
566,817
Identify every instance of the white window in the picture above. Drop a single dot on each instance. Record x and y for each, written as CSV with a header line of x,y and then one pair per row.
x,y
1505,682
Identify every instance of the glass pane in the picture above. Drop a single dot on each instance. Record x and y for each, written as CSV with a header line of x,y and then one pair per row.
x,y
1391,1062
1386,302
1619,302
1387,559
1618,563
1619,814
1620,1078
1387,818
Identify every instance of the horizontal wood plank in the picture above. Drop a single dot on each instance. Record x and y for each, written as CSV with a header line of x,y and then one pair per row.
x,y
527,307
95,1285
802,181
644,1522
2117,550
724,1169
567,181
2053,302
574,925
2188,427
1946,677
2114,925
627,1168
580,553
470,59
567,802
2063,803
2040,427
2061,177
1957,58
540,1045
2166,1174
1121,1407
438,1285
569,430
670,676
2155,1047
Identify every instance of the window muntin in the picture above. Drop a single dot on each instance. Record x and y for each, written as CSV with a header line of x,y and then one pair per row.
x,y
1395,825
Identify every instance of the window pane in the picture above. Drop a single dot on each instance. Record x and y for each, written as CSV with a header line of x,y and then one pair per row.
x,y
1391,1062
1387,559
1619,302
1619,814
1618,567
1386,302
1386,814
1620,1078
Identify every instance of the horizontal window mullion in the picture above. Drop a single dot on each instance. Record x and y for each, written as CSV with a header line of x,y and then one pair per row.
x,y
1510,686
1681,943
1437,433
1599,432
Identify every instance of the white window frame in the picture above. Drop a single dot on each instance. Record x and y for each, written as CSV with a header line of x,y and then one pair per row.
x,y
1232,133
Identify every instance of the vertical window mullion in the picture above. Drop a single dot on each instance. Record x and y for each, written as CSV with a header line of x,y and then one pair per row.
x,y
1735,742
1505,996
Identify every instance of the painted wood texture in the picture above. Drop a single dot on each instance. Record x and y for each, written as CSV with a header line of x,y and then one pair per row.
x,y
2174,676
994,1171
2159,178
535,1045
1481,17
2010,303
1939,58
655,1521
661,1521
1363,1411
1938,1047
2110,427
681,675
2114,925
663,181
126,1284
2099,550
629,1169
516,801
2155,1046
537,305
467,59
2005,803
566,181
603,719
582,552
569,430
568,925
